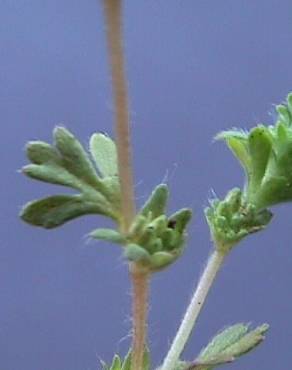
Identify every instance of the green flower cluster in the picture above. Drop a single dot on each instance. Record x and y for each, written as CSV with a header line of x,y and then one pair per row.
x,y
233,218
154,240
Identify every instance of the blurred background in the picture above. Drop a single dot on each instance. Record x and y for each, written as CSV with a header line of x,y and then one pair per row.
x,y
194,68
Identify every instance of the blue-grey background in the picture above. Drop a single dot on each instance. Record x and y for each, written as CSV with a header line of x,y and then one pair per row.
x,y
194,68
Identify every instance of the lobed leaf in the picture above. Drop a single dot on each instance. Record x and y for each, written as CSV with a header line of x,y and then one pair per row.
x,y
56,210
39,152
228,345
68,164
74,157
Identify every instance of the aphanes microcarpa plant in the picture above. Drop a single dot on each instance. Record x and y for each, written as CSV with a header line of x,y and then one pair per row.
x,y
150,239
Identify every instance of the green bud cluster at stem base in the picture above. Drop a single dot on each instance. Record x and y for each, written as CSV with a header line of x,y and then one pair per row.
x,y
154,240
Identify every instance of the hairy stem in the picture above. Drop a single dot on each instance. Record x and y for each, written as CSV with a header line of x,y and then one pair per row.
x,y
213,265
113,15
113,10
140,309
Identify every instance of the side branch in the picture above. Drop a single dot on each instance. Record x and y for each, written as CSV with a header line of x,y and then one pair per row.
x,y
193,310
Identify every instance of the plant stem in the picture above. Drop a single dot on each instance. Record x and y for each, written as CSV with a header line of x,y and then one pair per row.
x,y
213,265
140,310
113,15
113,10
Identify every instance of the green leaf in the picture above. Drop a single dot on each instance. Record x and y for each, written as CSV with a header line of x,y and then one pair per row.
x,y
53,174
237,142
56,210
207,365
39,152
223,340
116,364
103,151
68,164
260,147
265,152
156,204
127,361
109,235
146,360
284,114
74,157
248,342
228,345
160,260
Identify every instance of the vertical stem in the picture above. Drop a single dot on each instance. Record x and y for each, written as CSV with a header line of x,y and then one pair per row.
x,y
213,265
113,15
113,10
140,310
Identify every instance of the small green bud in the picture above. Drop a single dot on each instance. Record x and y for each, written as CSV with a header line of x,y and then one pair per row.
x,y
168,238
160,260
135,253
109,235
137,227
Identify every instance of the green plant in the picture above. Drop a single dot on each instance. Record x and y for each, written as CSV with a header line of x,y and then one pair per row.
x,y
150,239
